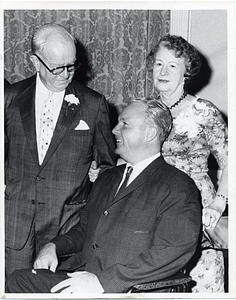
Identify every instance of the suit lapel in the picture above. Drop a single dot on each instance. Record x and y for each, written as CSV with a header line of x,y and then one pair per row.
x,y
115,181
139,180
26,102
68,117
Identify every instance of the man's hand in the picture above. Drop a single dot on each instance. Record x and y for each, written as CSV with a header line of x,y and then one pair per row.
x,y
93,171
79,283
47,258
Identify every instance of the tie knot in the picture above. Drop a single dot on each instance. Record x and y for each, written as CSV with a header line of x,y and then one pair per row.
x,y
50,95
129,171
49,102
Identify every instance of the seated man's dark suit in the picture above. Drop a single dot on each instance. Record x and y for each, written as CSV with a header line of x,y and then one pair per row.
x,y
145,233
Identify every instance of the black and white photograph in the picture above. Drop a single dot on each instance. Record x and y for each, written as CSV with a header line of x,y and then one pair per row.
x,y
118,127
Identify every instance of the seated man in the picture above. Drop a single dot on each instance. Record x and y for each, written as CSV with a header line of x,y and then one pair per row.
x,y
143,232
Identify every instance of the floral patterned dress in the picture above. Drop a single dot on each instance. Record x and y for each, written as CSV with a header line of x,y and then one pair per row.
x,y
199,130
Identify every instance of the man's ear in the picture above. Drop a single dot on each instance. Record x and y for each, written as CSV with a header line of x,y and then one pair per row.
x,y
35,62
151,133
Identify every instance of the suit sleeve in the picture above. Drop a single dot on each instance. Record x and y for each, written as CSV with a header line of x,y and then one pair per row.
x,y
6,140
73,240
104,143
174,242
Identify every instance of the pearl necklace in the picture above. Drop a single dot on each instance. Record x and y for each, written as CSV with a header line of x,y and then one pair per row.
x,y
177,102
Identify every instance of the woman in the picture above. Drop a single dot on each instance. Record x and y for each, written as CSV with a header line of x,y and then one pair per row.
x,y
198,131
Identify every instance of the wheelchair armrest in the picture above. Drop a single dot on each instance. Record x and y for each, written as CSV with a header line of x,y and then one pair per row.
x,y
175,280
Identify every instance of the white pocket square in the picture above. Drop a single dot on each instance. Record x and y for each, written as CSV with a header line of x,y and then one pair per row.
x,y
82,126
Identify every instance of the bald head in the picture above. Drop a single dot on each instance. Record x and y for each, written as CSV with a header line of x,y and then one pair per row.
x,y
53,47
52,36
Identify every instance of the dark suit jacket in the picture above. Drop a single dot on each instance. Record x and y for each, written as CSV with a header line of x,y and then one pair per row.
x,y
48,189
148,232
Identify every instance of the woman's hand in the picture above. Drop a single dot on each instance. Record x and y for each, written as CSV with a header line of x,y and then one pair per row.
x,y
93,171
210,217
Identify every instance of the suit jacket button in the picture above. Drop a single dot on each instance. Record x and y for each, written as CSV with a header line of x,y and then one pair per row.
x,y
38,178
95,246
106,213
33,201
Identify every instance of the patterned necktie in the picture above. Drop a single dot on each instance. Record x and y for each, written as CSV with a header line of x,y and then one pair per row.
x,y
46,126
127,176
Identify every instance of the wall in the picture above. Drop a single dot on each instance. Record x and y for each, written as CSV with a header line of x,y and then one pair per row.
x,y
208,32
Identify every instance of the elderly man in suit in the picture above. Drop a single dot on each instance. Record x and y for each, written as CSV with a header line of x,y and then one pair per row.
x,y
54,128
130,232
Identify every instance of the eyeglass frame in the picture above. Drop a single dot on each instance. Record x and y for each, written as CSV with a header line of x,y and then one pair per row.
x,y
76,66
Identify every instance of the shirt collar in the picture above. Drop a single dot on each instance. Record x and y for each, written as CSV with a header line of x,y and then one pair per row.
x,y
139,167
43,90
40,87
146,161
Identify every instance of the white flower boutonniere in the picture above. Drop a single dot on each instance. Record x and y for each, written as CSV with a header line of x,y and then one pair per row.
x,y
71,99
71,102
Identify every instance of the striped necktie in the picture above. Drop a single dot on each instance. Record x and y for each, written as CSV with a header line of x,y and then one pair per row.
x,y
125,182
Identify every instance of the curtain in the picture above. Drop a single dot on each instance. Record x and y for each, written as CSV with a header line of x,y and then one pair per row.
x,y
112,48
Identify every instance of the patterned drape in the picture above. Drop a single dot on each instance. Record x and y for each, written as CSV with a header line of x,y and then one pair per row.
x,y
112,49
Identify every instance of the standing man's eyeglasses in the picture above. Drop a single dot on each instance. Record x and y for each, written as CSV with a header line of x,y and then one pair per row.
x,y
59,70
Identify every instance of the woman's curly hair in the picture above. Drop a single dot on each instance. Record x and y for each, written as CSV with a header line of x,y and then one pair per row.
x,y
181,48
